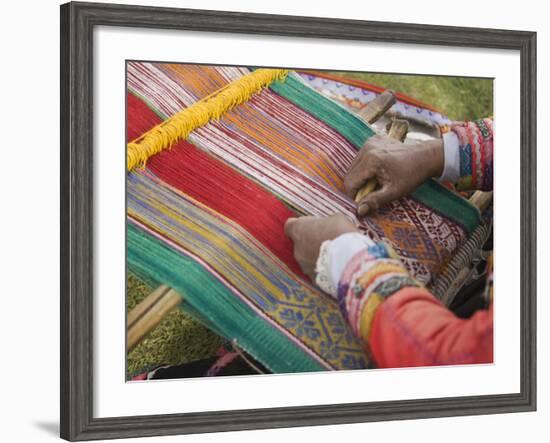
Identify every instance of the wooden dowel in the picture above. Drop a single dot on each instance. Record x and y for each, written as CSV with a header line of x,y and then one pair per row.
x,y
397,130
378,107
481,199
155,308
143,306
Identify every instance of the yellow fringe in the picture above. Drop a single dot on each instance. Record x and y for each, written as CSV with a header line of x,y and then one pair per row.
x,y
214,106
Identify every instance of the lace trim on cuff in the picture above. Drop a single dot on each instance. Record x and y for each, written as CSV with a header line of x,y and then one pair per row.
x,y
322,270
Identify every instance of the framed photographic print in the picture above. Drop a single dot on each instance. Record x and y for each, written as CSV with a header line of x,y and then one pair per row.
x,y
273,221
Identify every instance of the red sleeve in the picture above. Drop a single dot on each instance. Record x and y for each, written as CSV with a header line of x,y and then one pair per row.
x,y
412,328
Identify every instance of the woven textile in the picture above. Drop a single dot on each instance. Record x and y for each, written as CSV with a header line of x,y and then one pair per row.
x,y
207,215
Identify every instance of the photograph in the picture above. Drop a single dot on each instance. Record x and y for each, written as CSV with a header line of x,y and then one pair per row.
x,y
287,220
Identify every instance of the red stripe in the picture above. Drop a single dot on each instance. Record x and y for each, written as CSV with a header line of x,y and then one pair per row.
x,y
140,118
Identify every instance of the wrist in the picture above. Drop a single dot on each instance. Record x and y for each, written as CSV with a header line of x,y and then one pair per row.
x,y
427,160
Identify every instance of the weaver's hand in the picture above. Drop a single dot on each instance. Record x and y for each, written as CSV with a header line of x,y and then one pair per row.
x,y
398,169
308,233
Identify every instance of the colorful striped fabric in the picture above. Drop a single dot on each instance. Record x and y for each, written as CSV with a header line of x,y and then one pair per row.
x,y
206,216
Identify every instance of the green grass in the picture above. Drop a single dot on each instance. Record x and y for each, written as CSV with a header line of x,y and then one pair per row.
x,y
459,98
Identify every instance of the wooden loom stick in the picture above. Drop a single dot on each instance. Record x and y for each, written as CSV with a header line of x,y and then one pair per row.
x,y
149,313
481,200
397,130
378,107
140,309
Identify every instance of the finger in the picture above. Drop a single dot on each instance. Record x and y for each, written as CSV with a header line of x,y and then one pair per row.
x,y
376,200
373,142
294,225
357,178
290,226
343,220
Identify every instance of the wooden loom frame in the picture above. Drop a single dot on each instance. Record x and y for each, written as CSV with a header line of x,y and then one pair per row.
x,y
77,24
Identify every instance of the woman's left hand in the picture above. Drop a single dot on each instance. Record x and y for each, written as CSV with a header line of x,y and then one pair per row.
x,y
308,233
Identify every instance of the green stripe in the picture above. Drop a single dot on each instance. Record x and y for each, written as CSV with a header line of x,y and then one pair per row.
x,y
353,128
155,261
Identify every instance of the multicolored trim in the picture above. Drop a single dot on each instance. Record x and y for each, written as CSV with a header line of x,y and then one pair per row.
x,y
356,94
370,277
476,154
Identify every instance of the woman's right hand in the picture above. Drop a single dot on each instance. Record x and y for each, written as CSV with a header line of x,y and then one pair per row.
x,y
398,169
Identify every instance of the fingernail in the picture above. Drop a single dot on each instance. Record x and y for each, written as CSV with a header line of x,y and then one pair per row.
x,y
362,209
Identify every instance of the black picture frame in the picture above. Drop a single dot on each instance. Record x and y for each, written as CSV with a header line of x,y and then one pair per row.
x,y
77,213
